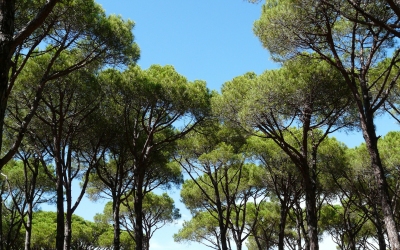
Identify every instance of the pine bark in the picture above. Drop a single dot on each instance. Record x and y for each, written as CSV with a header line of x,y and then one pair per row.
x,y
7,29
60,213
371,141
138,206
9,40
117,224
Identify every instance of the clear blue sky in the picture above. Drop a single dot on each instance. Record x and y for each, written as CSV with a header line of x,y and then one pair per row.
x,y
209,40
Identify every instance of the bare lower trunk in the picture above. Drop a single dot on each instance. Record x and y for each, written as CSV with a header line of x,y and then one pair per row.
x,y
372,145
117,226
138,206
390,224
312,221
222,223
223,231
379,230
352,241
7,16
60,215
300,227
310,189
146,243
28,229
238,245
68,231
282,225
1,218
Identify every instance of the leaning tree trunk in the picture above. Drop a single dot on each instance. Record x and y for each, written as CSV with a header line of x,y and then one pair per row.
x,y
282,224
7,16
1,217
380,234
383,188
371,141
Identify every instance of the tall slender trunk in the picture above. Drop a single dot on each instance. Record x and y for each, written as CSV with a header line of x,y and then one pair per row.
x,y
380,234
309,182
1,217
223,233
223,213
28,229
117,224
300,227
381,238
30,190
298,240
146,242
352,243
311,200
311,215
7,16
138,207
68,231
60,211
282,224
308,170
68,222
68,197
371,141
238,245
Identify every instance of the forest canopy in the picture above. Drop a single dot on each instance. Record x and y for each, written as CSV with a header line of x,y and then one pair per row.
x,y
256,162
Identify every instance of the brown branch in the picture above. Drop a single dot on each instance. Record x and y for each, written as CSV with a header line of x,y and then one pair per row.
x,y
35,23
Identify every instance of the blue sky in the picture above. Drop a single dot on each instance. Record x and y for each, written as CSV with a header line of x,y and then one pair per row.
x,y
207,40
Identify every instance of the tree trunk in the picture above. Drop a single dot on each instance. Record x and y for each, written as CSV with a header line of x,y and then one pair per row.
x,y
28,229
60,213
68,222
308,170
7,16
1,217
300,226
223,232
371,141
282,225
138,206
146,242
352,243
380,234
30,194
238,245
223,225
68,196
117,226
68,230
311,215
381,238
